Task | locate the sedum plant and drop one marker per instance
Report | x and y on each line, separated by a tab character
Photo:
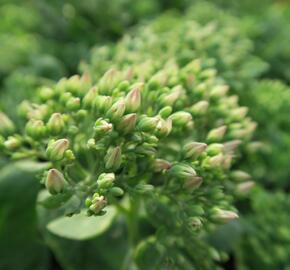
148	145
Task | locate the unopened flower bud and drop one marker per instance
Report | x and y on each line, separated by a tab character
215	149
133	100
108	82
55	182
6	125
12	143
102	127
148	124
224	215
182	171
219	91
239	113
90	97
172	97
245	187
45	93
240	176
113	158
193	149
164	127
106	180
181	118
98	204
56	150
55	124
217	134
117	110
165	112
200	108
192	183
231	146
103	103
127	123
73	104
216	161
35	129
161	164
116	191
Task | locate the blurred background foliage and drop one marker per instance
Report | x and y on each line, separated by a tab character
42	41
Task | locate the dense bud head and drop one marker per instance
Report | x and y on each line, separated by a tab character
113	158
217	134
117	110
55	182
127	123
193	150
56	149
55	124
102	127
181	118
133	99
6	125
182	171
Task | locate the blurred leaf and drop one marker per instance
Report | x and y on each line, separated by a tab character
81	227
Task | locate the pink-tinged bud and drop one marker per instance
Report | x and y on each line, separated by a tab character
245	187
90	97
224	215
113	158
164	127
172	97
56	150
193	150
55	124
55	182
193	183
127	123
117	110
181	118
217	134
161	164
200	108
102	127
6	125
216	161
240	176
231	146
98	204
239	113
108	82
133	100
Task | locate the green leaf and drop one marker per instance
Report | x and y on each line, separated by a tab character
82	227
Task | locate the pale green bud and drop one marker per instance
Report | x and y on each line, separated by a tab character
182	170
219	91
161	164
172	97
165	112
164	127
238	113
6	125
108	82
35	129
193	183
181	118
12	143
90	97
106	180
102	127
55	124
117	110
240	176
231	146
195	222
216	161
113	158
133	100
55	182
45	93
116	191
127	123
245	187
103	103
56	150
148	124
224	215
217	134
200	108
193	149
73	104
215	149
